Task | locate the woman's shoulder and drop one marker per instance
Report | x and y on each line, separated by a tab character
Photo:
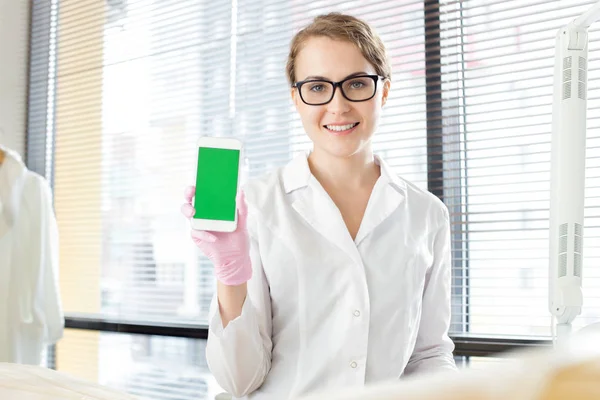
424	199
419	199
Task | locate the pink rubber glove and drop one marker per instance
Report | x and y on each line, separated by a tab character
229	251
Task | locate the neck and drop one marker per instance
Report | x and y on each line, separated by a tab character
356	171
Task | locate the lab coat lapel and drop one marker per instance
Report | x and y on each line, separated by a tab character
388	194
316	207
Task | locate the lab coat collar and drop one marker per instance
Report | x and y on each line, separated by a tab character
387	195
296	174
388	176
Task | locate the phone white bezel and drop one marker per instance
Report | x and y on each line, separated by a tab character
218	143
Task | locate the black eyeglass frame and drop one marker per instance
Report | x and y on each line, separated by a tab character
376	78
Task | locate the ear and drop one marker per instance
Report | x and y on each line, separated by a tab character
385	92
295	97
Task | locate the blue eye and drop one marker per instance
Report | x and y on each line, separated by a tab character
317	87
358	84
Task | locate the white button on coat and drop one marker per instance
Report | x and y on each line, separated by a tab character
295	334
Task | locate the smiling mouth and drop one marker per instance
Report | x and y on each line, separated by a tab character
340	128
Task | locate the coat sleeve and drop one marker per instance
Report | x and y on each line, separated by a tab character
239	355
46	299
433	348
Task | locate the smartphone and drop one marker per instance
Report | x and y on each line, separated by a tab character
217	182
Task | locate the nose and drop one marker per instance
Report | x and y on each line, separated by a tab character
338	104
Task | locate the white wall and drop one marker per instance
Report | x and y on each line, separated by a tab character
14	48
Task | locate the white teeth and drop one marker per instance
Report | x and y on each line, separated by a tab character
340	128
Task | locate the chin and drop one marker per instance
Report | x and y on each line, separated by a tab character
339	150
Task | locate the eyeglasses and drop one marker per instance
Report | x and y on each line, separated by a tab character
316	92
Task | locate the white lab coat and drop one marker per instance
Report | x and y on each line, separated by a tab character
30	310
324	310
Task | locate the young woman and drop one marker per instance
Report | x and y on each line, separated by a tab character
339	271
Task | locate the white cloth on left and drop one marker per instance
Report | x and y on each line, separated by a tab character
31	315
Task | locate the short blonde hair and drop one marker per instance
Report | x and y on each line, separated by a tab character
345	27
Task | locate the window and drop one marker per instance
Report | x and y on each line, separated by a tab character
497	75
133	83
153	367
136	83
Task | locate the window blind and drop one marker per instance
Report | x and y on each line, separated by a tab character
497	65
132	85
137	83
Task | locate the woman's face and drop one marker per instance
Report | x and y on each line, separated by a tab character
335	60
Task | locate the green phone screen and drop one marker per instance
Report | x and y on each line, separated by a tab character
216	183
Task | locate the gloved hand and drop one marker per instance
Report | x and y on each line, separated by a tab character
229	251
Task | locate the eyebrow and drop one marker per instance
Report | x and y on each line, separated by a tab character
322	78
